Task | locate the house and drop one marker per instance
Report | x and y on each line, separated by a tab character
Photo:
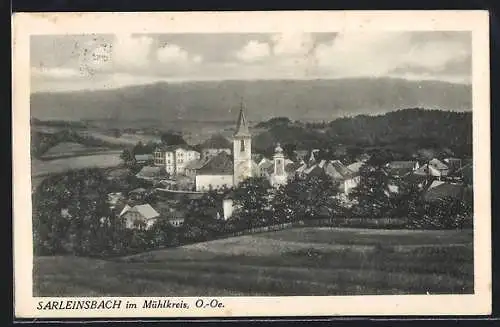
192	167
440	166
151	173
143	158
138	193
175	157
427	171
265	167
139	216
215	173
453	164
346	178
215	145
356	166
401	168
439	190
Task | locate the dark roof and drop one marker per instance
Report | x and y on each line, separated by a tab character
467	173
241	125
195	164
292	167
439	190
150	172
118	173
339	171
221	164
216	142
402	164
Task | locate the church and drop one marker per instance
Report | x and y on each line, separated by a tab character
226	170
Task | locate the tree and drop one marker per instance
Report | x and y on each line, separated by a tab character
171	138
372	196
252	198
127	156
306	198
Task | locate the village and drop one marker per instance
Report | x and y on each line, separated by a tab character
175	173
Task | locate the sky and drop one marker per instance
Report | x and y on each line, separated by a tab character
95	62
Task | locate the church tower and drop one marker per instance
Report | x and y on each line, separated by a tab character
242	150
279	175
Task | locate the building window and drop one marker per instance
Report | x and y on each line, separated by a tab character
242	146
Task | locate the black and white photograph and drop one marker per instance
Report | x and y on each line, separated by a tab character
252	164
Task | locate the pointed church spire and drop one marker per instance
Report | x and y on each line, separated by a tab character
241	126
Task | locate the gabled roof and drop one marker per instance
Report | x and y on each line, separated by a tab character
265	163
337	170
150	172
426	170
241	125
195	164
145	157
440	190
401	168
402	164
437	164
221	164
145	210
216	141
355	166
292	167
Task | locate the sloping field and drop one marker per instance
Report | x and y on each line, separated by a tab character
305	261
67	149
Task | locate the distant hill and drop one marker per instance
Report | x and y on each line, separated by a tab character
220	100
405	131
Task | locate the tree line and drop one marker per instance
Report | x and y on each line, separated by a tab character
71	215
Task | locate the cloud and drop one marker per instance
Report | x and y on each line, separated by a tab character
292	44
379	54
254	51
174	54
131	51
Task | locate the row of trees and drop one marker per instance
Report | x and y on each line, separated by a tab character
71	215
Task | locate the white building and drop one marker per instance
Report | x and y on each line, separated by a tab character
175	158
139	216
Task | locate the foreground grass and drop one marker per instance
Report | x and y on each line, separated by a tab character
306	261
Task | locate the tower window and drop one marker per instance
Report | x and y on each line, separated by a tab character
242	146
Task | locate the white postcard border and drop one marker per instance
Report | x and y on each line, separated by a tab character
25	25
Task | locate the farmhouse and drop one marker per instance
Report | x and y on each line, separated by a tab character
401	168
139	216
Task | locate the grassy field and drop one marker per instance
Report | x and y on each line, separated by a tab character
40	169
71	149
305	261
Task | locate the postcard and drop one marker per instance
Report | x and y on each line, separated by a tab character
251	164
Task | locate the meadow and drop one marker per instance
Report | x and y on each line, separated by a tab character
40	169
301	261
